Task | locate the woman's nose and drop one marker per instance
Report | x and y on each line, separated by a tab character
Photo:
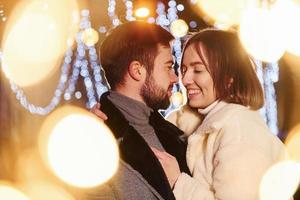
186	78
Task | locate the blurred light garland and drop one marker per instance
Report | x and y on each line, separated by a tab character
271	75
66	86
112	13
267	76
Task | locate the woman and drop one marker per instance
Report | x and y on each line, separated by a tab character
231	150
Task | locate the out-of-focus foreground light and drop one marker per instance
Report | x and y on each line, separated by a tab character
291	18
226	12
292	143
35	38
260	34
90	37
142	12
281	181
40	190
177	99
79	147
179	28
9	193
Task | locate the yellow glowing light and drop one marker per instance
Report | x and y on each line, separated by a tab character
177	99
35	39
225	12
260	34
9	193
291	17
38	190
79	147
179	28
142	12
293	143
280	181
90	37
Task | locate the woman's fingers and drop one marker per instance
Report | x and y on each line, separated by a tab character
96	110
159	154
162	154
169	164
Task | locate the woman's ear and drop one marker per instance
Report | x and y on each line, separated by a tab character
136	70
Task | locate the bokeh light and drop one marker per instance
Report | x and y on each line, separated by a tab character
179	28
35	38
142	12
79	148
180	7
177	99
223	12
291	18
260	34
7	192
41	190
90	37
280	181
292	143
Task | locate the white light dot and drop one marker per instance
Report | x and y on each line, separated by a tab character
78	95
193	24
180	7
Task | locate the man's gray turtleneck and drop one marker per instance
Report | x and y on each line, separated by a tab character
137	114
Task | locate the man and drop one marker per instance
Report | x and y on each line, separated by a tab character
138	64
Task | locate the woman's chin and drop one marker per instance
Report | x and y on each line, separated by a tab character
193	104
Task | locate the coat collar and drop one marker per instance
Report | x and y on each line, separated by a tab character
136	152
218	116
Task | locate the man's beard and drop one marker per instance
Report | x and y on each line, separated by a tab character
154	96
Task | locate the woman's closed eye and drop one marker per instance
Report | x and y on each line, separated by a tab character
198	71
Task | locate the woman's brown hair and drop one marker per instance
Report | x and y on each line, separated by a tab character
232	71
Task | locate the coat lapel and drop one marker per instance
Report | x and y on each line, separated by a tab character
135	151
169	136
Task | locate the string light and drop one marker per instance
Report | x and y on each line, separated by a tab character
180	7
161	15
66	86
271	72
111	13
179	28
129	12
267	77
193	24
260	75
90	37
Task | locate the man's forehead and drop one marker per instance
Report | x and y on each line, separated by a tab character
164	48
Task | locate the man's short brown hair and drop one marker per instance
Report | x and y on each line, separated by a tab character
132	41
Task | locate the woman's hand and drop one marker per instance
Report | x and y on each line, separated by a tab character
96	110
169	164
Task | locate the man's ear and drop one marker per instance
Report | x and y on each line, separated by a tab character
136	70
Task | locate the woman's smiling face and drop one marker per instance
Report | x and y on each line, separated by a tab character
197	79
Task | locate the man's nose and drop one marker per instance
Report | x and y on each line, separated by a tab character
174	78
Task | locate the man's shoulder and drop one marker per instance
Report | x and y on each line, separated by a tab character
127	183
